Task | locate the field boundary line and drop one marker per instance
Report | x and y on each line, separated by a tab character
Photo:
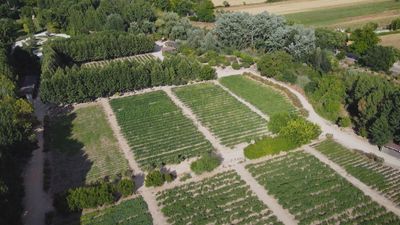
374	195
244	102
282	214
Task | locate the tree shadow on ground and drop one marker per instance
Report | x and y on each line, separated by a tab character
69	163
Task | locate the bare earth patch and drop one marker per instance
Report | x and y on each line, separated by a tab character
391	40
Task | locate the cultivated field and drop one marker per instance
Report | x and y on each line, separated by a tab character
221	199
230	120
236	2
265	98
83	148
137	58
315	194
349	16
157	131
133	211
292	6
391	40
383	178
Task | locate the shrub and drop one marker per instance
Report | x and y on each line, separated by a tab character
206	163
344	121
125	187
279	121
236	66
154	179
168	177
300	131
90	197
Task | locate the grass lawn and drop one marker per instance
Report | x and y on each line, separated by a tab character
327	17
83	147
265	98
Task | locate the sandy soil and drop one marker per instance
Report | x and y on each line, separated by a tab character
391	40
287	7
389	205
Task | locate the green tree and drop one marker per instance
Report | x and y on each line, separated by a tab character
380	131
300	131
8	31
379	58
115	22
329	39
363	39
275	63
205	11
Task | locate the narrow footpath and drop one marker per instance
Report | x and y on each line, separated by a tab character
36	201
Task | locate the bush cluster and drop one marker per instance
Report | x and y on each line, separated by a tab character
156	178
96	195
206	163
293	131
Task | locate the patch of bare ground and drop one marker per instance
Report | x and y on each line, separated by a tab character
391	40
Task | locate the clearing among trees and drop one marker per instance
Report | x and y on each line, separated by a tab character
132	211
83	148
230	120
157	131
370	171
222	199
315	194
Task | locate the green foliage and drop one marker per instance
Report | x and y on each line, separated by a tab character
154	179
344	121
300	131
279	121
205	11
380	131
379	58
329	39
275	63
363	39
8	31
206	163
114	23
268	146
236	66
90	197
125	187
327	95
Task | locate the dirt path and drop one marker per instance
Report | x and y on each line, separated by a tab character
347	138
282	214
36	201
376	196
250	106
149	198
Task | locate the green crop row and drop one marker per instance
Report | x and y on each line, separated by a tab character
383	178
132	211
157	131
315	194
230	120
138	58
221	199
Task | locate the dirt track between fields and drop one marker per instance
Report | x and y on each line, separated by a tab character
287	7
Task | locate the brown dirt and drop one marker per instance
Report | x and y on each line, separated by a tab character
391	40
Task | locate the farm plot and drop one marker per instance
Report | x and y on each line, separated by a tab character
83	148
133	211
370	11
315	194
221	199
137	58
230	120
263	97
157	131
383	178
